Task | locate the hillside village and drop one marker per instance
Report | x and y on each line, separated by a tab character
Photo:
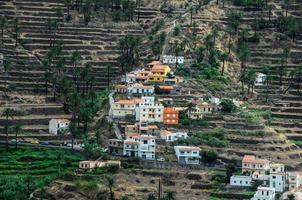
155	100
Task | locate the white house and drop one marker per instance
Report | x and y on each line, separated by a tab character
215	100
277	178
130	78
172	136
260	79
89	164
170	59
264	193
142	146
241	181
187	154
150	112
58	125
138	89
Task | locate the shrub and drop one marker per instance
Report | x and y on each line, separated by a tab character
209	155
228	106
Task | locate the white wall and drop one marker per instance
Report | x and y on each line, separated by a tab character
242	181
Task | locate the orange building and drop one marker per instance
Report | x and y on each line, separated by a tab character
170	116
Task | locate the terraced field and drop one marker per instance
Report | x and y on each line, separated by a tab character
97	43
31	168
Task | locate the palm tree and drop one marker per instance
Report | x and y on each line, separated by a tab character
170	196
7	113
214	33
251	78
284	60
7	66
291	197
3	22
138	4
223	57
110	184
17	30
266	70
192	9
73	131
67	4
109	72
298	75
244	55
189	110
151	197
269	7
17	129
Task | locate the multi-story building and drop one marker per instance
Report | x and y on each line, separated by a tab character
252	165
172	136
148	129
277	178
142	146
170	116
170	59
121	89
200	109
187	154
115	147
294	180
150	112
158	73
124	108
264	193
138	89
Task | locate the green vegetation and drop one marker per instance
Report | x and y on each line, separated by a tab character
214	138
26	169
228	106
208	155
255	116
297	142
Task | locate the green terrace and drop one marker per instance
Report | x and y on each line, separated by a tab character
23	170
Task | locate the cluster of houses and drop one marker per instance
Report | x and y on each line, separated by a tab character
151	118
273	178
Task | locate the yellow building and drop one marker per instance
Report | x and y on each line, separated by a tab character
158	73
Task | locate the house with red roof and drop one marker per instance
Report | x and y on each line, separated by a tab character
123	108
253	165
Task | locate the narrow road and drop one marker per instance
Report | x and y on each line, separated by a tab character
40	145
117	131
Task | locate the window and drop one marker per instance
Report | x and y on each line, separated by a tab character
145	141
274	177
182	152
